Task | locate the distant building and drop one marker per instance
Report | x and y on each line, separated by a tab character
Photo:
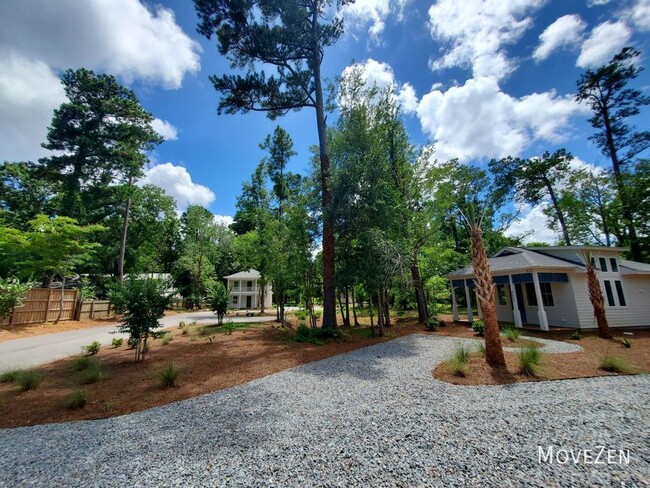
547	286
246	291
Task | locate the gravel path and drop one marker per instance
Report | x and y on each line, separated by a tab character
372	417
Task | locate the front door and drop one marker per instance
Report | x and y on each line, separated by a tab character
249	301
520	302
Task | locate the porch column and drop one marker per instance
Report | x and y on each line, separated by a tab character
470	312
516	314
454	305
541	313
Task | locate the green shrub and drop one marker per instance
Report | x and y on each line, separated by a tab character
301	314
625	342
432	324
614	364
91	374
204	331
302	333
9	376
168	375
315	336
230	328
478	326
317	314
28	380
529	360
92	348
511	333
166	339
575	336
457	367
81	363
181	324
76	399
117	342
461	355
132	342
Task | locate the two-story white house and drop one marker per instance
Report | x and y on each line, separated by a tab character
246	291
547	286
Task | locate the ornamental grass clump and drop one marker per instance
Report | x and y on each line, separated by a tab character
75	400
529	361
28	380
168	375
458	364
614	364
511	333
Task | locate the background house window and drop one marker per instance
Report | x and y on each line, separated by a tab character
547	294
531	297
619	292
614	264
235	285
603	264
235	300
609	293
501	295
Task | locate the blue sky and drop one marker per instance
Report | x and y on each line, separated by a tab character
478	79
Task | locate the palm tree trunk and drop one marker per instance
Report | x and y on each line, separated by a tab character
597	301
485	291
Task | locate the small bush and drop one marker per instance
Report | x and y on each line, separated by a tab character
511	333
81	363
461	355
92	348
181	324
132	343
575	336
28	380
614	364
168	375
204	331
432	324
315	336
92	374
230	328
529	360
317	314
302	314
76	399
117	342
625	342
457	368
9	376
478	326
302	333
166	339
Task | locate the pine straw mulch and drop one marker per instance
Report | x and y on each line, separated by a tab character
206	366
553	366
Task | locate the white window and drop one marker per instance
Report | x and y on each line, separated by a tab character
235	299
235	285
501	295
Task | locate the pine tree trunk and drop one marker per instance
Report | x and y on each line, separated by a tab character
597	301
386	308
380	314
485	291
61	301
423	311
125	229
354	309
347	307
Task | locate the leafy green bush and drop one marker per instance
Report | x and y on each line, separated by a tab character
230	328
219	299
529	360
12	295
575	336
168	375
9	376
315	336
625	342
181	324
117	342
511	333
132	342
478	326
432	324
77	399
166	339
28	380
317	314
301	314
92	348
302	333
614	364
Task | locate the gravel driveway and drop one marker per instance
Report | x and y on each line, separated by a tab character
372	417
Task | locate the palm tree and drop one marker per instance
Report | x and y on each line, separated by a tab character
596	297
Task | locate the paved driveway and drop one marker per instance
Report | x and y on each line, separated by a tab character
32	351
373	417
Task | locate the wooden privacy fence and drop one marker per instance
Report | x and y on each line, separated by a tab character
95	309
43	305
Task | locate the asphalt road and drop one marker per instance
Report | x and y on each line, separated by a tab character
32	351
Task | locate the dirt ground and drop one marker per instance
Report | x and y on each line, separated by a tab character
552	366
205	365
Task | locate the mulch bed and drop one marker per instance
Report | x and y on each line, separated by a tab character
226	361
553	366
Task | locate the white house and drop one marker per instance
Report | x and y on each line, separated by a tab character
547	286
246	292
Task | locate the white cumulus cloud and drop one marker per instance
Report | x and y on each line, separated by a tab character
382	75
39	39
177	183
372	13
605	40
564	32
638	15
532	224
223	219
476	32
165	129
477	120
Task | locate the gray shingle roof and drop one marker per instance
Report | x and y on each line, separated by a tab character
251	274
520	259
